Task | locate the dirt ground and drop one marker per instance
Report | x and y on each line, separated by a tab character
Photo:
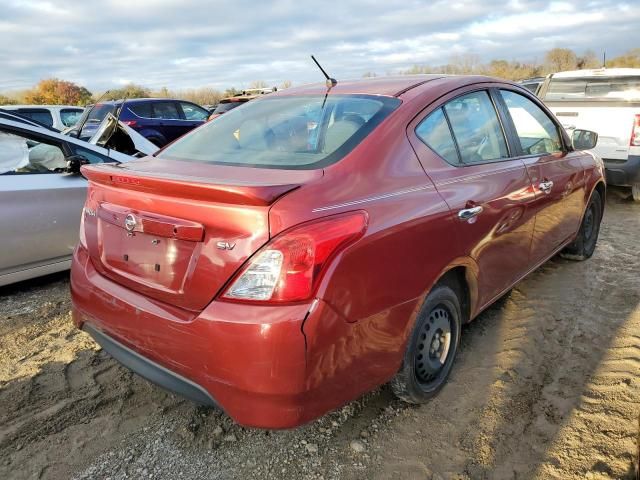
546	386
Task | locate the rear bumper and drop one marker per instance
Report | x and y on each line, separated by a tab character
267	367
623	172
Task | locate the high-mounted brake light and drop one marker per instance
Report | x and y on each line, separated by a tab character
289	268
635	132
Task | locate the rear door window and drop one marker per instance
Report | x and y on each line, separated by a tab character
537	133
40	115
476	128
165	110
435	132
24	154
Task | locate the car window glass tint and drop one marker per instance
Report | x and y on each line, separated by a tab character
70	116
165	110
476	128
141	109
41	116
19	155
434	131
536	131
193	112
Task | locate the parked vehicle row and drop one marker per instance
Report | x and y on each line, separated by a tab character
56	116
295	253
42	193
606	101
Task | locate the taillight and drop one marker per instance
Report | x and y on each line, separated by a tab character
289	268
635	132
130	123
83	235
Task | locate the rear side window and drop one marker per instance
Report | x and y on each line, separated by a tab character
141	109
536	131
165	110
434	131
226	106
594	88
40	115
289	132
476	128
193	112
70	116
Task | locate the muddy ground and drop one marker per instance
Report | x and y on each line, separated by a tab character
546	386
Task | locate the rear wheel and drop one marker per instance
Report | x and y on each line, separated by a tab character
585	243
635	192
431	349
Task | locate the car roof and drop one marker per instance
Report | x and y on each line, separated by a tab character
133	100
52	107
392	86
598	72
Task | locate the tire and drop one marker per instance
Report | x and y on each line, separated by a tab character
428	358
635	192
585	243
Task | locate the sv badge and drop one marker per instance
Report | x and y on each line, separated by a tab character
225	245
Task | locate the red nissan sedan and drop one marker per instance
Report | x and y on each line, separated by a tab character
316	243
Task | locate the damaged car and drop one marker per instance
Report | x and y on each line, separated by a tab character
42	191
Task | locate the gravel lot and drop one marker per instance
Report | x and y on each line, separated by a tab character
546	386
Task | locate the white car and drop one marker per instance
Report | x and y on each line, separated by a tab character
42	191
56	116
606	101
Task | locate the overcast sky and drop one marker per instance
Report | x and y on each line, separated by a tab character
182	44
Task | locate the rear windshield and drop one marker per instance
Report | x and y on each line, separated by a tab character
300	132
70	116
594	88
225	107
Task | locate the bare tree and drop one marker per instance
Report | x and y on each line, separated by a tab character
559	59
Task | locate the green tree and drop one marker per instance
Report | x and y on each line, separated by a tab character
130	90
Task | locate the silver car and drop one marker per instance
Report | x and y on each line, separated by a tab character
41	196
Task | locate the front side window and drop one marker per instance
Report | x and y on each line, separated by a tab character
536	131
99	111
476	128
285	132
165	111
22	155
193	112
142	109
434	131
70	116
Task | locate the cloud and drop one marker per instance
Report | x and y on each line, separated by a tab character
182	44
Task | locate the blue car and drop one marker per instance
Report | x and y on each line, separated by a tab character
160	120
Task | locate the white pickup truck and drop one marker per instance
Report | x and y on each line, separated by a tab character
606	101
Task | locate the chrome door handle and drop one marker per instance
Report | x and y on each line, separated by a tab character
468	213
546	186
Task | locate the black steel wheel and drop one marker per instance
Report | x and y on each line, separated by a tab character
585	243
431	348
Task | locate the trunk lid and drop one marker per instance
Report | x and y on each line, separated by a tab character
613	124
177	231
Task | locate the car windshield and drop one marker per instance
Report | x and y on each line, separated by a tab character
594	88
285	132
99	112
70	116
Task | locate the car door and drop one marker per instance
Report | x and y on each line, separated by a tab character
41	203
488	191
193	115
556	173
169	119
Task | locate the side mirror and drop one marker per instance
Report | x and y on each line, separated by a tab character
74	162
584	139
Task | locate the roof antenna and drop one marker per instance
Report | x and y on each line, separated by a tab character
604	59
331	82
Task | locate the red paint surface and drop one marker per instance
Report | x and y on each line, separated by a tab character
280	366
